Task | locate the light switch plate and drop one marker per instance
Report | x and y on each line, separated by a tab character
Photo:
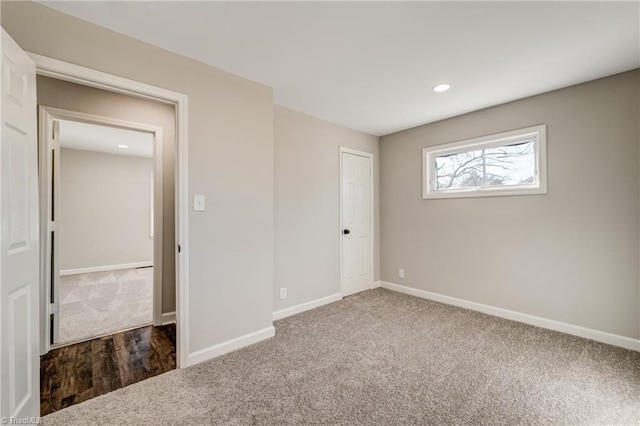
198	203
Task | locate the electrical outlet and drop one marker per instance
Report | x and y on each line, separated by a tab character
401	273
283	293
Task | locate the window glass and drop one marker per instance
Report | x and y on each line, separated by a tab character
512	160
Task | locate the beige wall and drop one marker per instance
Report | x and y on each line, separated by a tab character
105	212
75	97
230	162
571	255
307	202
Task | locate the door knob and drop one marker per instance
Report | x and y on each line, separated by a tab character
346	232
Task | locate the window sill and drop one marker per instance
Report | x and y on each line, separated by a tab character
484	192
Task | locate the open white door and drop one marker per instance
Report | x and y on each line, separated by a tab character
49	220
356	209
19	272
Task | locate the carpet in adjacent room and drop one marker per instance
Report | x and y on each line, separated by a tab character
99	303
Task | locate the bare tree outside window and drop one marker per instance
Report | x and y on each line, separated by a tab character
508	163
512	164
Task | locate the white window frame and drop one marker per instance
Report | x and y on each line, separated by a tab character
537	133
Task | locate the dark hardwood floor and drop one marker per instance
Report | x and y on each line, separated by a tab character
75	373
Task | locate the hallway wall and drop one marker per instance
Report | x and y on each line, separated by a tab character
105	209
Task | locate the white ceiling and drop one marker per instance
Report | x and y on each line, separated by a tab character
371	65
92	137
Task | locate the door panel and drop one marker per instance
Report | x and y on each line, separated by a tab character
16	152
19	273
20	367
356	208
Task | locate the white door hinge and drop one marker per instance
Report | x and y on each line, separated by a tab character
54	144
53	226
54	308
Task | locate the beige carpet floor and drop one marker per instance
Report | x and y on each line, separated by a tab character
99	303
384	358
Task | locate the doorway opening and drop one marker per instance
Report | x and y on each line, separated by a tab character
108	240
101	184
23	293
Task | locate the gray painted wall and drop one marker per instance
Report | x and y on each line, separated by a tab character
105	210
75	97
571	255
307	202
230	162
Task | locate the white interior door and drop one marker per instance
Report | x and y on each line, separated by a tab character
19	239
53	235
357	219
49	211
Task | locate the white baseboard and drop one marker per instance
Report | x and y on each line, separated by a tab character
168	318
230	345
576	330
376	284
64	272
287	312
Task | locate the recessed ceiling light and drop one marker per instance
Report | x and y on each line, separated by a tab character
123	146
442	87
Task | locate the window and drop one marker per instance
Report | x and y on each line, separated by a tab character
510	163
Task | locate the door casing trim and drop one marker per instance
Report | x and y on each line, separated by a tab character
61	70
46	116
